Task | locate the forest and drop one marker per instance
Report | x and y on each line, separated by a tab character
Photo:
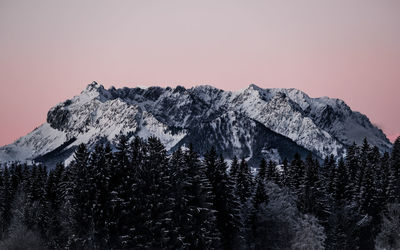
138	196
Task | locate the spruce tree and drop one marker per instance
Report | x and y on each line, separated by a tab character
244	182
79	200
180	196
202	232
284	178
53	228
271	173
102	200
226	205
352	164
395	167
296	172
308	187
259	201
153	209
5	201
234	169
339	183
262	171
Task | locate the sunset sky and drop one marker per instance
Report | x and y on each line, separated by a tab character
50	50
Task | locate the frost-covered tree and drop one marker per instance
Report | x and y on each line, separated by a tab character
309	234
244	182
202	232
389	236
19	236
227	206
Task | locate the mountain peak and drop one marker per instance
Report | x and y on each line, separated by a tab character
95	89
94	86
254	87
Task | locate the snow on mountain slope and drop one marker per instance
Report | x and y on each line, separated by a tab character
40	141
280	114
336	117
245	123
233	133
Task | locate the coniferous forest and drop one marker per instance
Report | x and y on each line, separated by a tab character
140	197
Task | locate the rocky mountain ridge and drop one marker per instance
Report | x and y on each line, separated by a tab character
251	123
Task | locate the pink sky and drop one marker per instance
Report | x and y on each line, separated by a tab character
50	50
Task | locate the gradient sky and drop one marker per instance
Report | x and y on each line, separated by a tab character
50	50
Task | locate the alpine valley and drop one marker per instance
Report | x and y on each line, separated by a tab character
251	123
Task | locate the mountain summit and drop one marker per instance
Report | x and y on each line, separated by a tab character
251	123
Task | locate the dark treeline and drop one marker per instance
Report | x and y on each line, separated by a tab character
138	197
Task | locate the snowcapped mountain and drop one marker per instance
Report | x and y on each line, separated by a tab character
253	123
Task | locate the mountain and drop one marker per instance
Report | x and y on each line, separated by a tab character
251	123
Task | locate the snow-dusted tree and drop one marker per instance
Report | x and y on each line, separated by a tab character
227	206
309	234
284	175
339	183
258	203
79	200
384	176
343	228
234	168
6	198
309	192
181	213
395	169
368	196
51	226
391	189
352	168
389	236
244	182
202	232
271	172
19	236
296	173
277	220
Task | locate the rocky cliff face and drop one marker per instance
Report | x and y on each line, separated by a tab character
252	123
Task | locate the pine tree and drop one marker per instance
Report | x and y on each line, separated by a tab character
389	237
119	198
136	151
181	214
262	171
352	164
244	182
284	179
339	183
368	207
153	209
79	200
203	229
5	201
234	168
395	160
364	161
308	187
271	173
53	229
329	172
395	169
226	205
259	201
391	188
99	187
296	173
322	206
210	162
